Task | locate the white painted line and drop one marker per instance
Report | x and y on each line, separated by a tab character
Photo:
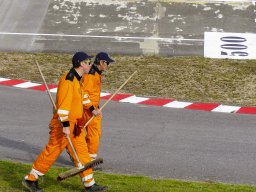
26	85
134	99
120	38
104	94
4	79
54	90
226	109
177	104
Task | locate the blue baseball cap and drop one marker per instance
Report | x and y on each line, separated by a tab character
80	56
103	56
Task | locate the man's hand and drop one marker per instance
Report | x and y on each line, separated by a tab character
66	131
80	123
96	112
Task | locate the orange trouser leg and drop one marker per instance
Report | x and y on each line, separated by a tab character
93	134
81	148
57	142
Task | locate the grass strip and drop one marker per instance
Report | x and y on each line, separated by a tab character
12	174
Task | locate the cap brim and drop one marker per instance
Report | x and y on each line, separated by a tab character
110	60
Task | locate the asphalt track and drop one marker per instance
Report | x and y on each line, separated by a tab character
138	139
161	27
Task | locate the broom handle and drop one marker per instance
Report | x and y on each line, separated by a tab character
54	105
87	123
46	86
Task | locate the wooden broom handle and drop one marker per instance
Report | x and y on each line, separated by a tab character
87	123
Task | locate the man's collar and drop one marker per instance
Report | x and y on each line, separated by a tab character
76	74
95	67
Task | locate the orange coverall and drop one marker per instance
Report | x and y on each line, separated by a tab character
92	88
69	103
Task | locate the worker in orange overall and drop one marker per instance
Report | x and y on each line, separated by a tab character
69	104
92	89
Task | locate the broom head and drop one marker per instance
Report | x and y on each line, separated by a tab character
75	171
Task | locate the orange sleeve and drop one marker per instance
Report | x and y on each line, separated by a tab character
64	100
88	89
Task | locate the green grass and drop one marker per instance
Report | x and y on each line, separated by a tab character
195	79
12	174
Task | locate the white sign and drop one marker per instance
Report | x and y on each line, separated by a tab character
230	45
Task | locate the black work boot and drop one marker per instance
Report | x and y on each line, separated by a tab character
95	188
31	186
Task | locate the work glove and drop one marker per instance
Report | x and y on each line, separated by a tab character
97	112
77	129
66	131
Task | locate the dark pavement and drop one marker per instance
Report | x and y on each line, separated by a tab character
137	139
